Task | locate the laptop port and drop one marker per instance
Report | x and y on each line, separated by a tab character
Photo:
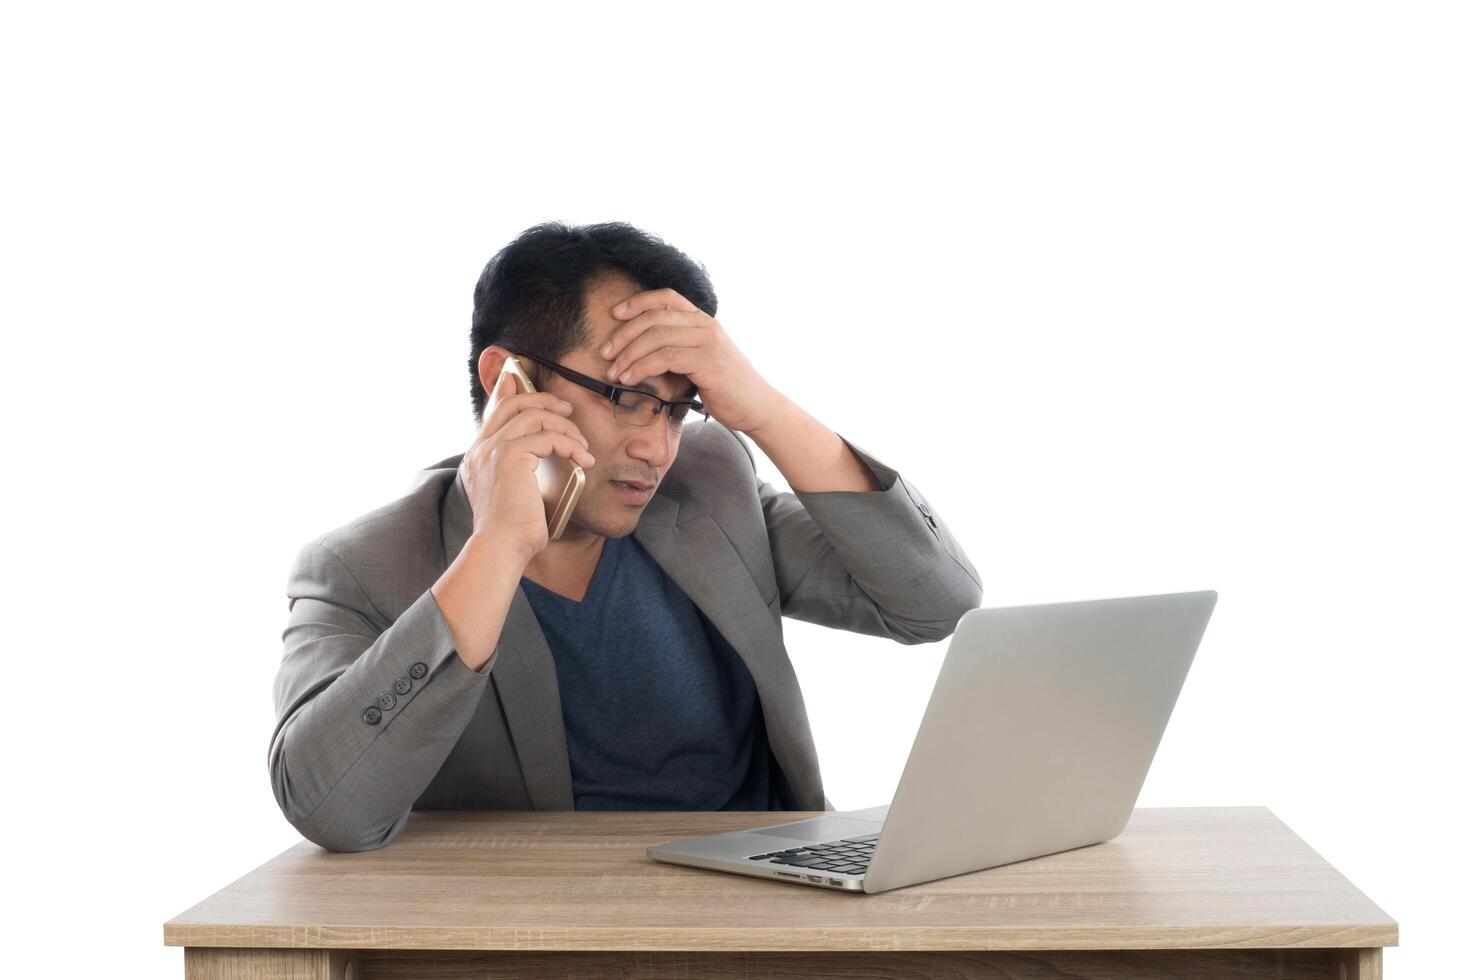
787	874
836	881
816	878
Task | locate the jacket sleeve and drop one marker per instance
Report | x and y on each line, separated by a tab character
879	562
344	776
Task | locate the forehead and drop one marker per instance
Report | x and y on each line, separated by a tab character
602	294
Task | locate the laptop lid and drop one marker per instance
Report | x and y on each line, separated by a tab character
1039	732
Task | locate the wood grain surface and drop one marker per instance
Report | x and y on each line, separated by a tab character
1177	878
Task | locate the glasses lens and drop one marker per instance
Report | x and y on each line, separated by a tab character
634	408
640	408
691	412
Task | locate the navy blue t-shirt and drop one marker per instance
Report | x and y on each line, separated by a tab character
660	712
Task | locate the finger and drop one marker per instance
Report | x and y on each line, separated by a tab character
537	420
651	299
657	352
510	403
544	443
511	408
664	360
494	394
628	332
507	388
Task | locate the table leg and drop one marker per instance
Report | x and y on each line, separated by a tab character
229	963
1359	964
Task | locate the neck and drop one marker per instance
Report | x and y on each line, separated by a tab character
576	549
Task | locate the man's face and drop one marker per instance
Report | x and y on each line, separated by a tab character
641	454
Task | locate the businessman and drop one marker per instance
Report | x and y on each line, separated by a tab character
442	653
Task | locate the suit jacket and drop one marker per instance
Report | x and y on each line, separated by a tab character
364	631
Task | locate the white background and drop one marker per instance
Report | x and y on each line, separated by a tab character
1143	297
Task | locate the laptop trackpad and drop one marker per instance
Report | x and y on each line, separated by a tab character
821	829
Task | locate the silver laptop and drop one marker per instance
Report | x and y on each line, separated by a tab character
1037	737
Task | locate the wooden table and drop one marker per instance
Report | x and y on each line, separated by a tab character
1193	892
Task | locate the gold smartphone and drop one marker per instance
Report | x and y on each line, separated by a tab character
561	480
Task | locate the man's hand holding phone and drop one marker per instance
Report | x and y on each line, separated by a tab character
520	430
499	468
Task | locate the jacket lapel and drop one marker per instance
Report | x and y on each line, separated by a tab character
694	552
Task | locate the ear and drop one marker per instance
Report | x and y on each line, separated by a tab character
491	359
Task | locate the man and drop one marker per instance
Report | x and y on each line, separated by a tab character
442	653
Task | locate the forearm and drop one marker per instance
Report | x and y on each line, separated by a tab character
811	457
887	565
474	596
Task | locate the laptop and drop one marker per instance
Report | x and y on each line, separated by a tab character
1039	732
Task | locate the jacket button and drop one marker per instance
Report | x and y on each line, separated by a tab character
418	670
372	716
402	685
386	700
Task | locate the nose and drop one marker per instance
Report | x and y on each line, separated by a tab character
653	443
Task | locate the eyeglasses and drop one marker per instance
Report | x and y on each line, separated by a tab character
629	405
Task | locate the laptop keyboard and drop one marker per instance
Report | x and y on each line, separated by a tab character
846	856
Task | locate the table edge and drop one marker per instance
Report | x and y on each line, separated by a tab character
663	939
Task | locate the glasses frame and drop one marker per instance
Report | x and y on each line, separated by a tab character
614	393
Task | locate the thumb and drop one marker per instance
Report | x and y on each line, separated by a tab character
504	388
505	385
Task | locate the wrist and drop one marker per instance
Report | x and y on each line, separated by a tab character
498	550
776	418
475	592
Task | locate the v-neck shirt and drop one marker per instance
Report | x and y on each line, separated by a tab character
660	711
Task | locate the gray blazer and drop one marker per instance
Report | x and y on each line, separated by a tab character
364	631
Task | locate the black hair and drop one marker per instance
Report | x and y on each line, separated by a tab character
532	295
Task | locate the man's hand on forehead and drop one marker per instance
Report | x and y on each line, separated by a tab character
663	333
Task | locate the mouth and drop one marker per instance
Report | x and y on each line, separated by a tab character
633	492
